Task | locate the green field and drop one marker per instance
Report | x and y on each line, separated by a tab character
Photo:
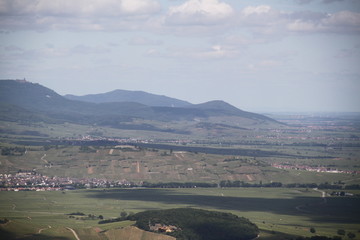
278	212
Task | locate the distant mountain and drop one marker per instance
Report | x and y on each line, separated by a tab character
25	101
131	96
41	100
219	107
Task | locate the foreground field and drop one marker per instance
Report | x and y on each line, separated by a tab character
280	213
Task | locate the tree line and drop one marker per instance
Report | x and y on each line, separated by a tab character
237	183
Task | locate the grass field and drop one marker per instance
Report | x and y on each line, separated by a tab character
278	212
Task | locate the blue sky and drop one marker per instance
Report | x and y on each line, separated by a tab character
262	56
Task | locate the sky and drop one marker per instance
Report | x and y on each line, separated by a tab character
258	55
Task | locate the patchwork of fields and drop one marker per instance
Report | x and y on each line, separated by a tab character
278	212
152	165
312	155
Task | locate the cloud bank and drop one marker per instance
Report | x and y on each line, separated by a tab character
149	15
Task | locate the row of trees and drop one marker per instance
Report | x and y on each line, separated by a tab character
123	216
325	185
179	185
228	183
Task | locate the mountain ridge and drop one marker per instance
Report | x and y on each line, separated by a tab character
43	103
120	95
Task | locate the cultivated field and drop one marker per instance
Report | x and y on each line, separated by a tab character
145	164
278	212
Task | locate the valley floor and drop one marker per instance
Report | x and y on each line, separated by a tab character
280	213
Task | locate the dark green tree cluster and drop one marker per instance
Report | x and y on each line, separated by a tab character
87	149
238	183
9	151
245	184
123	216
342	232
197	224
179	185
319	238
77	214
3	221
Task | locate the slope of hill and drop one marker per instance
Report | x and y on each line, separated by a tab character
130	96
38	103
38	99
218	108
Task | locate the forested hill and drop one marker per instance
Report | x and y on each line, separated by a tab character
197	224
39	103
131	96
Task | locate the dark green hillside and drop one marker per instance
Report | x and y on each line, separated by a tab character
196	224
33	96
41	100
131	96
33	102
12	113
176	114
219	108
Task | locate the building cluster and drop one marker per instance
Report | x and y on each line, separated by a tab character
312	168
33	181
163	228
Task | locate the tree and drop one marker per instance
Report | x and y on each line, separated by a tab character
312	230
341	232
351	235
123	215
101	217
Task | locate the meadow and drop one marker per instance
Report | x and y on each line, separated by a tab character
280	213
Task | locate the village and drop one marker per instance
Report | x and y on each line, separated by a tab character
312	168
33	181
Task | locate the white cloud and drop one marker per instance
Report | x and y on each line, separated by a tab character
199	12
152	53
140	6
339	22
322	1
69	14
256	10
104	8
303	26
192	17
262	19
267	20
211	53
343	18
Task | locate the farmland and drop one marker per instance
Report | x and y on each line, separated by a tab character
277	212
157	165
269	176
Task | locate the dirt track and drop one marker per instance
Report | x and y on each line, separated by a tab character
74	233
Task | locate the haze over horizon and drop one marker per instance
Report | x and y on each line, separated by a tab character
261	56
